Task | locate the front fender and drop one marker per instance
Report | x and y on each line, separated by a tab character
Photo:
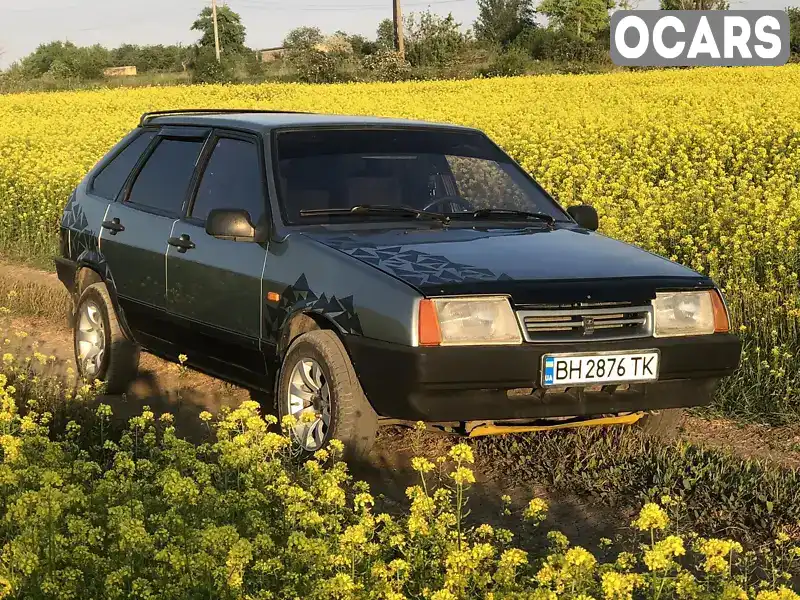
304	276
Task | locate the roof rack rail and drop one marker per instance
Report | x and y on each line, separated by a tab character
146	117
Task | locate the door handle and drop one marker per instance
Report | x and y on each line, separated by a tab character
114	226
182	243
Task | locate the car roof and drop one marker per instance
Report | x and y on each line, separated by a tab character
265	121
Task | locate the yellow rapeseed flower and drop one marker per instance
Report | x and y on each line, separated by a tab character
463	476
716	553
620	586
462	453
422	465
652	516
661	556
782	593
536	510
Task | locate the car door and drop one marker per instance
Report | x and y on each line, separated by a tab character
214	285
136	229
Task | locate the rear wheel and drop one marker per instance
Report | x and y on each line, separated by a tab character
319	387
101	349
663	423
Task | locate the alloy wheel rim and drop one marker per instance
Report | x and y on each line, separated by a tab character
91	339
309	394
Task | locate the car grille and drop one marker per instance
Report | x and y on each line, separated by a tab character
596	322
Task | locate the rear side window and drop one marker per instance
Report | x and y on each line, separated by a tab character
232	179
164	180
108	183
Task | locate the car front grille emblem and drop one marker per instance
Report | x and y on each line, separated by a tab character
588	325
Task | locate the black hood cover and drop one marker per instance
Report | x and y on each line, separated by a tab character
534	265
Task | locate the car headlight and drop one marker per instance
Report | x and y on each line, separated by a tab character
689	313
468	321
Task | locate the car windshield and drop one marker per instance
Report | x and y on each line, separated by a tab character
435	170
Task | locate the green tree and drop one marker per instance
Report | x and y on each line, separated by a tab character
316	58
63	60
501	21
90	62
303	38
39	62
584	18
205	68
361	45
433	41
230	28
148	59
695	5
385	35
794	29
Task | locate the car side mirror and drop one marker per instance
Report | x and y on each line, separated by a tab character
233	224
585	216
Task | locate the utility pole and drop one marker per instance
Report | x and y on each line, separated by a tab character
216	29
399	44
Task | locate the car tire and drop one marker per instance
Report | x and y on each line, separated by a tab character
662	424
313	361
102	351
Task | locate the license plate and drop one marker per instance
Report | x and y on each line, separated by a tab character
600	368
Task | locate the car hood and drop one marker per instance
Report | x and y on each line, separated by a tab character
534	265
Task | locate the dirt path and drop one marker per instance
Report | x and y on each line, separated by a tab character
39	304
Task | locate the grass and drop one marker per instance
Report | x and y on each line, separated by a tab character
35	249
14	86
33	293
720	494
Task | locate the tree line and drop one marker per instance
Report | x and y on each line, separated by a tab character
505	39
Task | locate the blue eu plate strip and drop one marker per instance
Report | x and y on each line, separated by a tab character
549	367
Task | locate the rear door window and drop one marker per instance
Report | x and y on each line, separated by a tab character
232	179
164	180
108	183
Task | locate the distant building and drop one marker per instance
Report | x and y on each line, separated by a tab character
270	54
120	71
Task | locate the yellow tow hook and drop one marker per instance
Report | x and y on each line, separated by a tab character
491	429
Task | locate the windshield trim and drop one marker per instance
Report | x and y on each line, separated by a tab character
422	126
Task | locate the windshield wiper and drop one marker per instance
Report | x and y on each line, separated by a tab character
505	214
375	209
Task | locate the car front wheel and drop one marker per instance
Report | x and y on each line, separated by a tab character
319	388
102	352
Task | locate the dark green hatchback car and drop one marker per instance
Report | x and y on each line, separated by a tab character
365	271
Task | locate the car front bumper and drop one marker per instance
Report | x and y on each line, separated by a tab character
458	384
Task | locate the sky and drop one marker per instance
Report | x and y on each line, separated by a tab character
24	24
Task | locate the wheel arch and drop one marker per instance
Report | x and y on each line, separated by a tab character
88	272
302	322
85	275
